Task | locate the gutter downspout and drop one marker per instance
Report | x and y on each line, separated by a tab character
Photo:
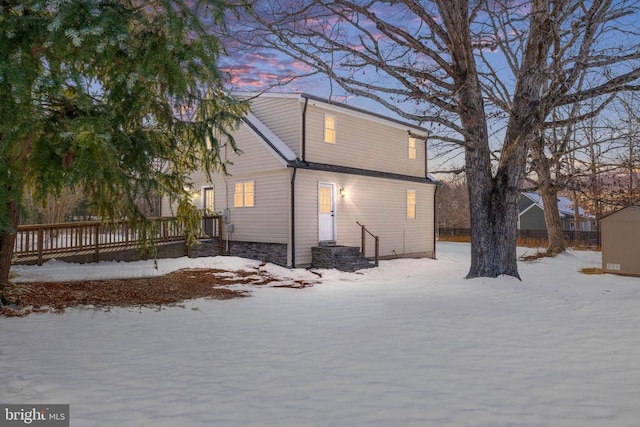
293	217
435	220
293	183
426	166
435	195
304	130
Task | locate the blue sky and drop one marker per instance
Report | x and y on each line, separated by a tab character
268	69
260	69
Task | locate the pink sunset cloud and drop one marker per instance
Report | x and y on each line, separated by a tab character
259	70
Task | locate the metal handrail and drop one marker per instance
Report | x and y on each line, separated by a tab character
363	242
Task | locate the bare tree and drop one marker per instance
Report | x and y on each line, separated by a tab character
52	208
548	172
452	204
593	190
554	162
606	160
629	156
553	150
56	207
485	75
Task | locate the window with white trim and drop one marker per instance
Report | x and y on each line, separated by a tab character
330	128
412	148
411	204
244	194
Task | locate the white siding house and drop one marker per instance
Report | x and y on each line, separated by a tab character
309	170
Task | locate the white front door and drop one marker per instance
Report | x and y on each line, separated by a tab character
208	200
326	212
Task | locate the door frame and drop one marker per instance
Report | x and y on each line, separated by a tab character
332	186
203	190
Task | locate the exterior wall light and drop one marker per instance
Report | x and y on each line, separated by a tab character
193	193
341	191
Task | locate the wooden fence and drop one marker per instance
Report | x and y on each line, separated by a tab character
589	239
44	241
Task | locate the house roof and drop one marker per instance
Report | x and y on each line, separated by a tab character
358	171
634	207
365	112
565	205
288	157
270	139
349	109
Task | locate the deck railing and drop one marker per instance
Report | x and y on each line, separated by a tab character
44	241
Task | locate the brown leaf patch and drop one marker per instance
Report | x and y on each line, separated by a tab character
157	291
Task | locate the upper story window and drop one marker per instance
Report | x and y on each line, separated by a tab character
412	147
244	194
329	128
411	204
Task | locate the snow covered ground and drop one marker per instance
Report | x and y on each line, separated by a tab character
411	343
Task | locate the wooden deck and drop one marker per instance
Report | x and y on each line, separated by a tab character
40	242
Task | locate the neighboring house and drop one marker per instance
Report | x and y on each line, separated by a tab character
531	214
620	241
309	170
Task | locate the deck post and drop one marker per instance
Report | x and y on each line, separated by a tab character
219	233
96	255
40	244
165	232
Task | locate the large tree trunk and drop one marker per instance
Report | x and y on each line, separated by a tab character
493	199
549	193
494	217
7	240
492	204
494	208
552	220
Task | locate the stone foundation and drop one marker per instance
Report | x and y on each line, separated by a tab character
275	253
207	247
344	258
